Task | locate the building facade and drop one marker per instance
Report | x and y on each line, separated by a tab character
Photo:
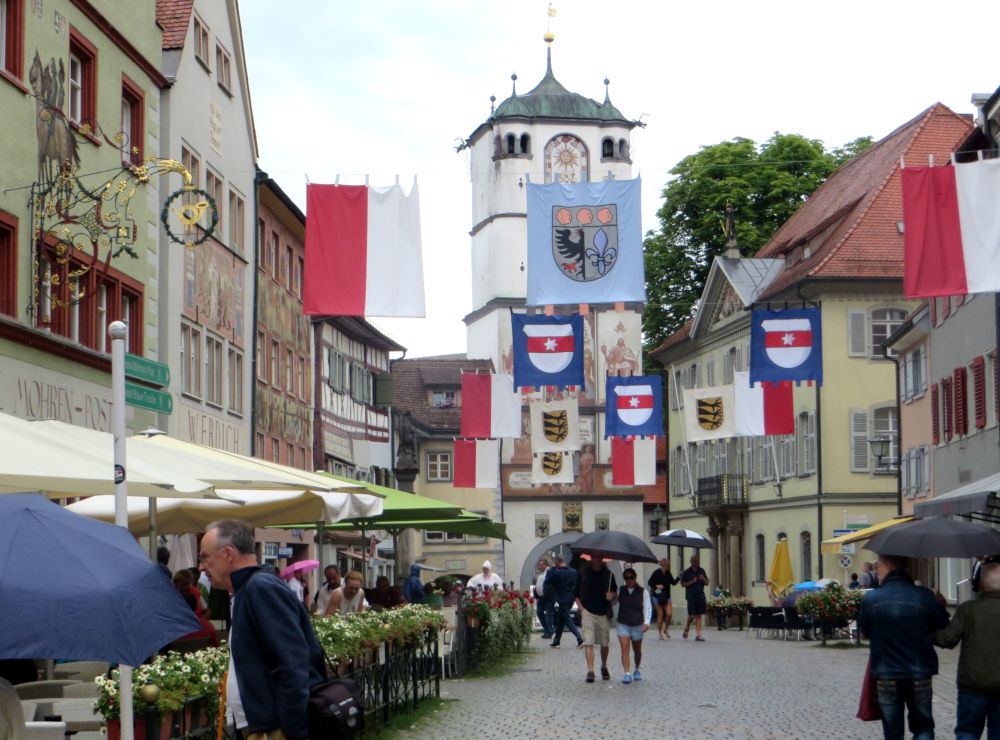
206	325
79	87
283	396
842	253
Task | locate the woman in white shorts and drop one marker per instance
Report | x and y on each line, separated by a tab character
634	614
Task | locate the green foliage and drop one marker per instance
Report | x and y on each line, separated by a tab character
179	677
765	185
505	623
832	603
726	603
348	636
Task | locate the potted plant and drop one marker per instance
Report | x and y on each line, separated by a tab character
477	610
829	606
724	605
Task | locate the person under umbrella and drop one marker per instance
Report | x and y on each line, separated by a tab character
659	583
634	615
596	592
694	580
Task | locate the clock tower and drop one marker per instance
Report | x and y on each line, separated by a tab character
548	134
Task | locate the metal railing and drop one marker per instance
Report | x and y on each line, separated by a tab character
729	490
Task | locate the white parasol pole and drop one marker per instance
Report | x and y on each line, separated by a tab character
118	331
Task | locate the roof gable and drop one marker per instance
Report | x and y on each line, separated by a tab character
732	286
847	228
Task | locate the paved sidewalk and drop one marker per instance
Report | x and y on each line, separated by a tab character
731	686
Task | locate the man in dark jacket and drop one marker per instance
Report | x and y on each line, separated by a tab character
274	657
900	619
560	584
977	625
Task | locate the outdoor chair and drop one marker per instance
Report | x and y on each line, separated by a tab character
44	689
445	640
82	670
45	731
794	623
760	619
85	690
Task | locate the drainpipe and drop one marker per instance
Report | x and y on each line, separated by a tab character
899	432
260	177
819	447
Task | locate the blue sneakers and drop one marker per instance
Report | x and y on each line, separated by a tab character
627	678
637	676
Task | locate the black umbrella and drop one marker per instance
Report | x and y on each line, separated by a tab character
614	544
682	538
936	538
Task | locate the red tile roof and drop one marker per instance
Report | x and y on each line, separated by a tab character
174	17
676	338
412	380
849	223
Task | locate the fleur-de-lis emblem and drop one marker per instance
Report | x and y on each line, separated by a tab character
601	255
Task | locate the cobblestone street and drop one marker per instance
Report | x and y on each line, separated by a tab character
731	686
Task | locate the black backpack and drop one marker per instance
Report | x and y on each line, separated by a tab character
335	710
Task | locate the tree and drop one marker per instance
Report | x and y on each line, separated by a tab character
765	185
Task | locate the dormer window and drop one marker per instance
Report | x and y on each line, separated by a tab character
444	399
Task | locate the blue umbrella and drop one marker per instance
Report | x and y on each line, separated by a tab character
74	588
808	586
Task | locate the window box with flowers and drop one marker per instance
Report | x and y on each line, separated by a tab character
831	608
724	606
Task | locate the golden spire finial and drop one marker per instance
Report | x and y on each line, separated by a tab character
549	37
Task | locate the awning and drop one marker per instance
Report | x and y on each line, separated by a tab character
972	498
832	547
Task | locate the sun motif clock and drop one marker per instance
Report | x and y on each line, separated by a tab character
566	160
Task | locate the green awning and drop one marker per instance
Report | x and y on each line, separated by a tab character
400	505
468	523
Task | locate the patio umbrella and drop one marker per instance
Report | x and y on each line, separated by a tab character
808	586
63	460
613	543
468	523
260	508
779	576
77	589
299	566
936	538
683	538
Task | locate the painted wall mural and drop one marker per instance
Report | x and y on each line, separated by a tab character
214	280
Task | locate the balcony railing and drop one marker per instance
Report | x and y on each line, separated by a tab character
727	491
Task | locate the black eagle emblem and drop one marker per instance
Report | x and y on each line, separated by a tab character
710	413
570	250
552	463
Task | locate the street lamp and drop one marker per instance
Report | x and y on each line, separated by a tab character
658	513
880	448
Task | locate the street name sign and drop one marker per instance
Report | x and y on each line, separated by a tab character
147	371
148	398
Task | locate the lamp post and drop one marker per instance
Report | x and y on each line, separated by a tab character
658	517
880	448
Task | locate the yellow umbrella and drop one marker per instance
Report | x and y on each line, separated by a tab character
779	577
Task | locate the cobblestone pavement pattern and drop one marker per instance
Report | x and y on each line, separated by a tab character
731	686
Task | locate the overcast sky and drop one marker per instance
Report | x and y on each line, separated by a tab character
389	88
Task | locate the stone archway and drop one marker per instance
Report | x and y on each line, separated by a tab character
546	548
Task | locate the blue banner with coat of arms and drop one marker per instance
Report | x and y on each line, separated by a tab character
548	350
786	345
585	243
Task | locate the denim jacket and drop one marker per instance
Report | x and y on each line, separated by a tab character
900	619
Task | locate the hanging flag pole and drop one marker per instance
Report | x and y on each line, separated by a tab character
684	446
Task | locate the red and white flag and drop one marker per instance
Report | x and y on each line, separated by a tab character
476	463
490	407
363	253
951	229
633	461
767	408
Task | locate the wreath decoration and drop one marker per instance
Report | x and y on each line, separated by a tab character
189	214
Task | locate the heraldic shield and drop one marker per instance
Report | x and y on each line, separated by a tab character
555	425
550	347
787	342
710	413
585	240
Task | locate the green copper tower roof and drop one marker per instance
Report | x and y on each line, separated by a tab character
549	99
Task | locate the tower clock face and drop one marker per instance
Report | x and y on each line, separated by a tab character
566	160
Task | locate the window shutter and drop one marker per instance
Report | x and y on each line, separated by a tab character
859	441
904	474
925	464
935	416
738	366
979	391
961	401
857	334
710	372
811	442
906	375
947	408
383	389
788	455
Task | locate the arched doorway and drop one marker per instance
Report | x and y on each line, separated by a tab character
557	544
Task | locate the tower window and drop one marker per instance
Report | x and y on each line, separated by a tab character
525	144
607	148
622	149
511	144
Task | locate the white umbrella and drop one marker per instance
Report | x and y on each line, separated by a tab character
63	460
682	538
260	508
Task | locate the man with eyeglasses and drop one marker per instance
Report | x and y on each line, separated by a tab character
899	619
274	656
